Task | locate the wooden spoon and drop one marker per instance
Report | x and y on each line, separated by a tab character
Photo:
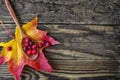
23	35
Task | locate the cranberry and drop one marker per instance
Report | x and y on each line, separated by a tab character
34	51
29	52
40	45
9	48
31	43
34	46
25	48
29	47
27	40
26	44
47	44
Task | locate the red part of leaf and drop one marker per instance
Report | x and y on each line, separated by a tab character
43	62
51	40
33	63
15	69
2	60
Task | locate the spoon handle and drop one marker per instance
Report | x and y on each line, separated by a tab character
12	13
23	35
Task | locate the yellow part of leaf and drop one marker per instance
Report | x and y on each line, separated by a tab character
30	29
15	54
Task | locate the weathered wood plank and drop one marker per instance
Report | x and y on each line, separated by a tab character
81	40
85	51
30	74
64	11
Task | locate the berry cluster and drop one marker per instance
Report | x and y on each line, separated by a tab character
29	46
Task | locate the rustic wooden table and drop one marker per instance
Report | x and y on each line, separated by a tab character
89	32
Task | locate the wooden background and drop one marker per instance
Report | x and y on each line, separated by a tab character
89	32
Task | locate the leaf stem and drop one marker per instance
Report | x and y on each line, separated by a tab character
7	30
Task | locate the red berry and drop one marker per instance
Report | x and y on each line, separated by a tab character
25	48
29	52
34	46
31	43
9	48
47	44
27	40
34	51
29	47
40	45
26	44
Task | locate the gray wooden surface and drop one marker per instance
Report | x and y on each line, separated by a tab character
89	32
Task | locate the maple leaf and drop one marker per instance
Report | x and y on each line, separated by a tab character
12	51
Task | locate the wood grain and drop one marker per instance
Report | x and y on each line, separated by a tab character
85	51
64	11
89	32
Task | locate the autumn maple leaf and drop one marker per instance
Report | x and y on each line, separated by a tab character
12	51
